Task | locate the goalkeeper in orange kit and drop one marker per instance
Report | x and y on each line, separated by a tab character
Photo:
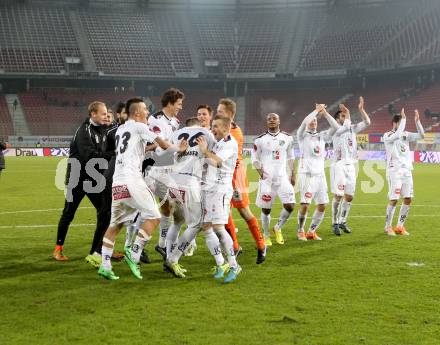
240	183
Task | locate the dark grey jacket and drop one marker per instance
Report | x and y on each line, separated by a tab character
2	158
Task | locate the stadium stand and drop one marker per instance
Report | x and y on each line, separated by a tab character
59	112
25	46
6	126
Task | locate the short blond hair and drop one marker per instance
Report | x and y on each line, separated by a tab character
226	121
94	106
229	105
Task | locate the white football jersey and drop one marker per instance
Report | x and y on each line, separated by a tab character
191	161
272	151
397	146
345	143
227	150
131	139
164	127
312	145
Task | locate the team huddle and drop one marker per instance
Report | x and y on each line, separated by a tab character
167	177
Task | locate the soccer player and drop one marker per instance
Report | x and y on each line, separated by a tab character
185	190
312	184
204	115
272	155
343	169
216	200
399	170
240	197
164	123
89	142
129	190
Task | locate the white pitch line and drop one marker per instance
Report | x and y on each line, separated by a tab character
86	207
235	220
41	210
42	226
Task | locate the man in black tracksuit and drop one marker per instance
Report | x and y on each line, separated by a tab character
90	152
3	146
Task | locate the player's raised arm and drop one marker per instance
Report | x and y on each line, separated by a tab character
212	158
398	133
302	128
420	131
365	118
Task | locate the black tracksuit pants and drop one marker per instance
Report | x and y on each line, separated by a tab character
101	202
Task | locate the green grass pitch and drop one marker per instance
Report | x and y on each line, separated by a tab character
362	288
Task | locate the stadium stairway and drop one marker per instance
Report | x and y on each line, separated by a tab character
17	115
81	37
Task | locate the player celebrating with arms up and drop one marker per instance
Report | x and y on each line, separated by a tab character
272	155
311	175
399	169
343	170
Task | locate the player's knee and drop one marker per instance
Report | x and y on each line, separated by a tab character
303	208
246	213
407	201
321	207
348	198
288	207
266	211
393	202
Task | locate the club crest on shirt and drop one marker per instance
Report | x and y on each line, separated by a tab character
281	142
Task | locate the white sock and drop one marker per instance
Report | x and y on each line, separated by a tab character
164	225
130	231
138	246
316	220
228	245
172	235
335	210
390	215
404	209
344	212
284	215
106	254
213	245
301	221
265	223
182	243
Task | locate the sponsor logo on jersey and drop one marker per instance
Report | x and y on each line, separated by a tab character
276	155
266	197
317	150
350	142
120	192
308	195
